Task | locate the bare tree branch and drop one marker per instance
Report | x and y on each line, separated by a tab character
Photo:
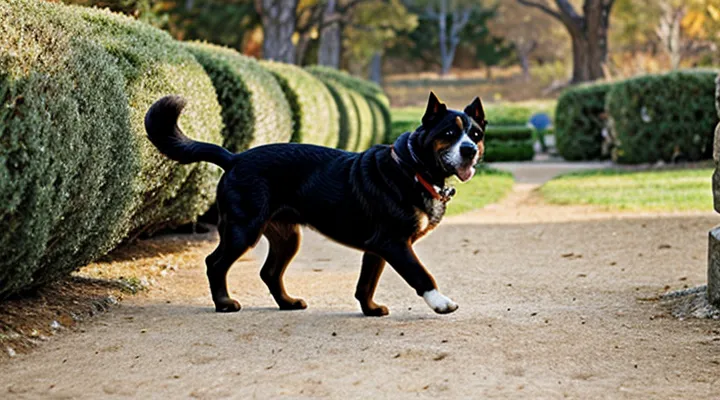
541	6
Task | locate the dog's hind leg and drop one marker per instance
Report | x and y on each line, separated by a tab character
284	239
372	267
235	240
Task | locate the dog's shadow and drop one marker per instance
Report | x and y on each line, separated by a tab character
206	311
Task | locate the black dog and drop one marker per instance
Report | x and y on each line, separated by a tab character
380	201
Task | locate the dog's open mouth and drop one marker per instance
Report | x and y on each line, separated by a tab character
465	172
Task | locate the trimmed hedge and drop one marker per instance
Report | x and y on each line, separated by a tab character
366	122
371	92
663	117
76	171
579	122
513	150
349	119
315	115
509	143
254	108
508	133
155	65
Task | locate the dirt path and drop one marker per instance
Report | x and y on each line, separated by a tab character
554	302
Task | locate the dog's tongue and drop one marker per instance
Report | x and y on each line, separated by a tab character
465	173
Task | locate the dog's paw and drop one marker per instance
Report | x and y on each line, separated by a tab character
375	310
227	305
294	304
440	303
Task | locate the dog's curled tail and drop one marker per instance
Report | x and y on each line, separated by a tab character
163	131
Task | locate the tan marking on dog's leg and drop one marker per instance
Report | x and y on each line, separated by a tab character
284	244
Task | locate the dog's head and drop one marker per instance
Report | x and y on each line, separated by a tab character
453	141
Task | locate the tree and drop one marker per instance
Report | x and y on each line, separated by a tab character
450	17
489	49
278	20
373	27
336	15
589	34
532	34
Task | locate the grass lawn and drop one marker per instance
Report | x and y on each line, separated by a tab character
486	187
672	190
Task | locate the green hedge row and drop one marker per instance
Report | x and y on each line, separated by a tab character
663	117
508	133
579	121
510	150
366	97
76	172
666	117
315	114
254	108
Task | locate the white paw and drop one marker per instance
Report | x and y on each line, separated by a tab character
440	303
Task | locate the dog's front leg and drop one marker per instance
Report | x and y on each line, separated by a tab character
372	267
403	259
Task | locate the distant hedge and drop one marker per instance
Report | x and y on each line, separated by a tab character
371	93
664	117
254	108
76	171
515	150
579	121
509	143
508	132
315	114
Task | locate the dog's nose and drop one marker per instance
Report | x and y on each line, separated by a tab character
468	150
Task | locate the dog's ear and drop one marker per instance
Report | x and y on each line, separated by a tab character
435	110
476	112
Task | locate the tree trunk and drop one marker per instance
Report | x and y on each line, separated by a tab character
488	72
589	33
450	40
376	68
301	48
597	20
669	31
278	18
581	60
525	65
445	60
330	38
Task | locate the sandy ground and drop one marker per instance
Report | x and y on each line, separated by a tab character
554	302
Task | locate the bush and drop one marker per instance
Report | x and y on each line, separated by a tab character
254	107
508	114
75	166
154	65
508	133
579	121
366	122
348	117
663	117
512	150
315	115
372	94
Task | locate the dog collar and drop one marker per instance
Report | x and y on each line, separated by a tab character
442	194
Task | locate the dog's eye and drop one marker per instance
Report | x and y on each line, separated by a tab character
477	135
449	133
